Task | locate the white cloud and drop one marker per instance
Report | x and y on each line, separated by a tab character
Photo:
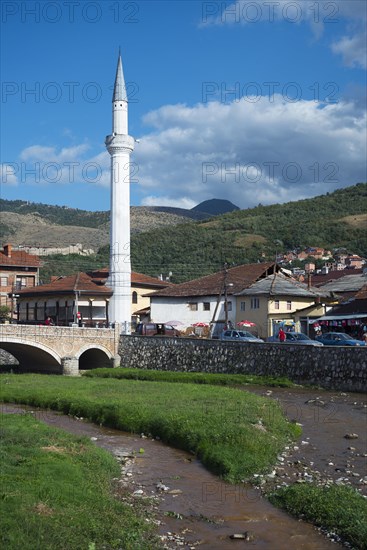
50	154
247	152
183	202
351	46
66	165
352	49
8	173
250	152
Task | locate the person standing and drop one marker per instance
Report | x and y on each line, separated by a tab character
281	335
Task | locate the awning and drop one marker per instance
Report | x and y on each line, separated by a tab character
144	311
339	317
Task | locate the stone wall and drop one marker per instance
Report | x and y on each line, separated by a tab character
7	359
339	368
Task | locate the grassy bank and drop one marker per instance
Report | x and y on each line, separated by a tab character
56	493
190	377
339	509
234	433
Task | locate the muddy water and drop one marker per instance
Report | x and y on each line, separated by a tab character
195	504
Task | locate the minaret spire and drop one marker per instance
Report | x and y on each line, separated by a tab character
120	146
119	90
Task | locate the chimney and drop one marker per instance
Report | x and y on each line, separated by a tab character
309	280
7	250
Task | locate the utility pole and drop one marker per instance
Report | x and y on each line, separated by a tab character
225	297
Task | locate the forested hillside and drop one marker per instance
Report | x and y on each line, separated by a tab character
335	220
61	215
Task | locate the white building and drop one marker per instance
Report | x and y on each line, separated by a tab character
204	300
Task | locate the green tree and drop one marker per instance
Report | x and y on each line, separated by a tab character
4	313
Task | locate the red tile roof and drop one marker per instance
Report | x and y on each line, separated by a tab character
136	278
19	259
68	285
240	277
362	293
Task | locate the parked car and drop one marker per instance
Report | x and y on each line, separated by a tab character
239	336
296	338
156	329
338	339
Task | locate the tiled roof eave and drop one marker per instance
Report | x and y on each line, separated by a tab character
68	292
20	265
285	293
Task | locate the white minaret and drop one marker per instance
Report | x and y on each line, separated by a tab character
120	146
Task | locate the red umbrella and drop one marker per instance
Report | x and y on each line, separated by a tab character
246	324
200	324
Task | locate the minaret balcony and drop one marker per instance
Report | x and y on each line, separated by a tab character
119	143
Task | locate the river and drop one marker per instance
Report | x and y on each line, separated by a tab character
196	509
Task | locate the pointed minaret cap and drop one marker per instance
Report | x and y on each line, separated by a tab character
119	91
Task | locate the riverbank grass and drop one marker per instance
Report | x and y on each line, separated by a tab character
338	509
56	492
190	377
235	433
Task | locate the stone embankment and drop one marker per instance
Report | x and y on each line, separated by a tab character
338	368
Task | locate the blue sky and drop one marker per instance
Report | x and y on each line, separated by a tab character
250	101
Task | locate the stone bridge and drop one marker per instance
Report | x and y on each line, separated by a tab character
61	350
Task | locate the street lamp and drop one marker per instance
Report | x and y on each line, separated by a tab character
226	286
12	306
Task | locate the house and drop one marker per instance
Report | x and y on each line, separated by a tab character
349	317
353	261
81	298
140	285
210	299
341	284
277	298
18	270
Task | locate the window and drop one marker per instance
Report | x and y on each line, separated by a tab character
31	313
20	283
229	306
193	306
289	305
3	281
206	306
276	304
135	297
255	303
243	306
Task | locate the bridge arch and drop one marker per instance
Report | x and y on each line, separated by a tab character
33	357
93	356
